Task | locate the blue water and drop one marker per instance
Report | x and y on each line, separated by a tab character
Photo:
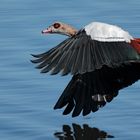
27	97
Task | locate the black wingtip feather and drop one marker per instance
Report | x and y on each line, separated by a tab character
60	104
44	71
36	55
69	108
33	61
38	60
86	110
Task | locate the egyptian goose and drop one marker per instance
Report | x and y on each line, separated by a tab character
102	58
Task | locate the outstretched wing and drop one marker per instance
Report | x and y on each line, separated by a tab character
91	91
81	54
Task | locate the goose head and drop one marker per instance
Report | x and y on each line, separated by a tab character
60	28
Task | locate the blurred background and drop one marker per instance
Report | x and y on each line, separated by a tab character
27	97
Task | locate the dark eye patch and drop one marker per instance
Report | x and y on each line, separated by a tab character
56	25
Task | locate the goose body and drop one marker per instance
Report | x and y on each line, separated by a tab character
102	58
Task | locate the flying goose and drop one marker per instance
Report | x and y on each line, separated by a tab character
102	58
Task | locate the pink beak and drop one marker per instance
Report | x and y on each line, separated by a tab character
46	31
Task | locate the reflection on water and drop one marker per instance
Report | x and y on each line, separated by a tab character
84	132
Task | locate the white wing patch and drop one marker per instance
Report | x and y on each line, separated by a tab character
106	32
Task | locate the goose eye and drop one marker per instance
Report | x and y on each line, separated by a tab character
56	25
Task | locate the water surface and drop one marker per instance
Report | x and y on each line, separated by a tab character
27	97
